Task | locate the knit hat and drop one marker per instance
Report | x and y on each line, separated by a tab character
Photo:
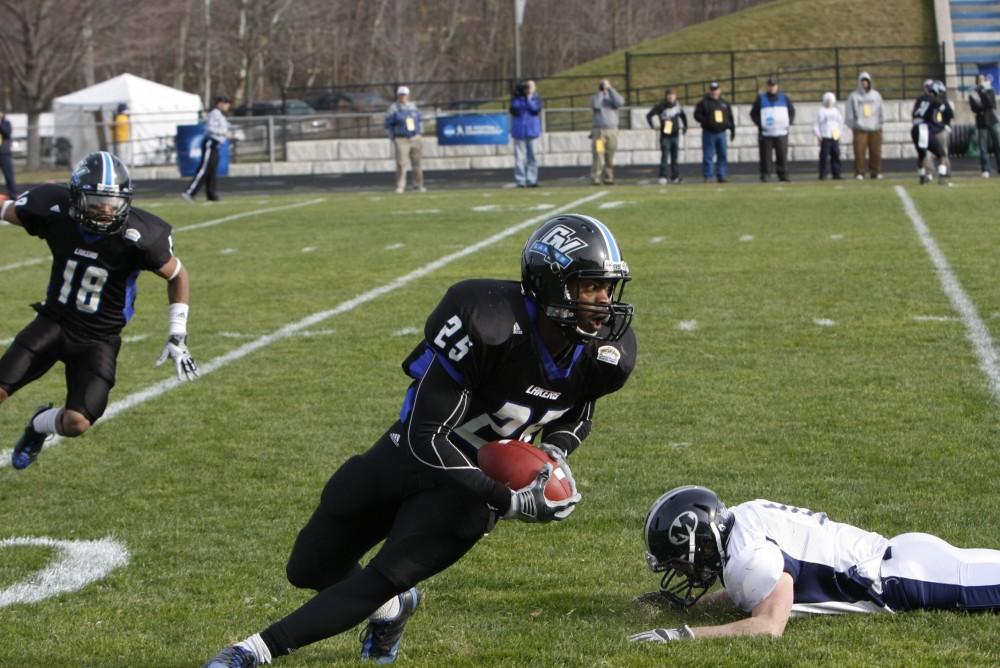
402	90
829	97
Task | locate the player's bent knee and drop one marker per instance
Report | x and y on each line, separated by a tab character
73	424
3	395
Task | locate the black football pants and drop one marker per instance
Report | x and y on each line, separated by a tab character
383	494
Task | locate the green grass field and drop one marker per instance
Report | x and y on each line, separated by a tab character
785	352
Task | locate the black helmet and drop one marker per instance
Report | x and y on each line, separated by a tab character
100	191
686	533
568	247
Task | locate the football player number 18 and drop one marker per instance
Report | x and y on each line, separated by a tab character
458	349
88	296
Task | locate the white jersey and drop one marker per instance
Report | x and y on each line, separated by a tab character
830	562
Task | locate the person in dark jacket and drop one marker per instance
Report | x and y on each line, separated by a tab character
525	129
983	101
6	162
673	123
932	116
716	118
773	114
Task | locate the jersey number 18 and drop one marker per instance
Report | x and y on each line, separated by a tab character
88	296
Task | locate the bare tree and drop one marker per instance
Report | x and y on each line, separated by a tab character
26	40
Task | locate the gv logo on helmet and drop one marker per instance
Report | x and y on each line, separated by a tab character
682	527
561	238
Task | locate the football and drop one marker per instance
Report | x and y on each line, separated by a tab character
516	464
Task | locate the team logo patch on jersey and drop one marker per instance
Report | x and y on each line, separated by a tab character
134	235
683	527
609	355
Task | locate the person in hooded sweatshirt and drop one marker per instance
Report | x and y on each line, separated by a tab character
673	123
865	115
932	116
828	126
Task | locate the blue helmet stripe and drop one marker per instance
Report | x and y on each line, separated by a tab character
614	254
109	169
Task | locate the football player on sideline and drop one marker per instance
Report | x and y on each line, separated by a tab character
99	244
777	561
499	359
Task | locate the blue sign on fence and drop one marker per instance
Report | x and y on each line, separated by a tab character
473	129
189	141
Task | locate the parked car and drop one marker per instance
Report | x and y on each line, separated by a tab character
349	101
286	108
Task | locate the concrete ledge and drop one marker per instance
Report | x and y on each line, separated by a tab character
365	149
301	151
380	166
338	167
492	162
432	164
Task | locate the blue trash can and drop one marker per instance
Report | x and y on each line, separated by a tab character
188	141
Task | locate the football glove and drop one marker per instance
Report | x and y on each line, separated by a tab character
177	350
663	635
558	454
530	505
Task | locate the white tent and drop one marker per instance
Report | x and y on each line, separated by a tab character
155	111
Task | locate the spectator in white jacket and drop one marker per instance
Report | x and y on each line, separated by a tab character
828	126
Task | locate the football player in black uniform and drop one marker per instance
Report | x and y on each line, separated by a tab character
499	359
99	244
932	116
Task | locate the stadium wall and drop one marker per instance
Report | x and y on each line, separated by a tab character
562	149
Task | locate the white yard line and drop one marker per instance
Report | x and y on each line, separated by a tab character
247	214
22	263
976	331
158	389
187	228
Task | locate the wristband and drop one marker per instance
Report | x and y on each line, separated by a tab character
3	210
177	319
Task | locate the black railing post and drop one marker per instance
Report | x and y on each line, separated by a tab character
628	78
732	73
903	82
836	68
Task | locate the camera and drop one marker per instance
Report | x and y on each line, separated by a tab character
521	89
600	86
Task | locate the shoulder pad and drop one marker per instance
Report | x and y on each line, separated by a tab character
752	574
489	309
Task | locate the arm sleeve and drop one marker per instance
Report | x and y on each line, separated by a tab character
850	111
389	122
616	99
753	574
684	119
699	112
595	102
439	405
535	104
159	252
755	112
568	432
33	209
5	130
655	111
730	118
791	111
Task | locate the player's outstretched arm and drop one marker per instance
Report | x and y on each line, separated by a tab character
769	618
178	292
8	213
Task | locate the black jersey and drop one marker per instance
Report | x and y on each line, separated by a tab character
92	286
484	334
934	111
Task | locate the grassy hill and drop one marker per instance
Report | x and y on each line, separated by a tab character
782	24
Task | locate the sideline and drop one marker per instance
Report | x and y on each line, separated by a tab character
158	389
976	330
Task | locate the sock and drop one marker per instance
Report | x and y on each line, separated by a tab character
256	645
942	170
922	172
388	610
338	608
45	423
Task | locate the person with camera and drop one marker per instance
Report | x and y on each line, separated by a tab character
604	133
673	123
983	101
525	129
6	162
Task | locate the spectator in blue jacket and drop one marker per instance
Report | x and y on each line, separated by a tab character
402	124
6	163
526	128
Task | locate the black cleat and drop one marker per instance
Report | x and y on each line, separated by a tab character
30	444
